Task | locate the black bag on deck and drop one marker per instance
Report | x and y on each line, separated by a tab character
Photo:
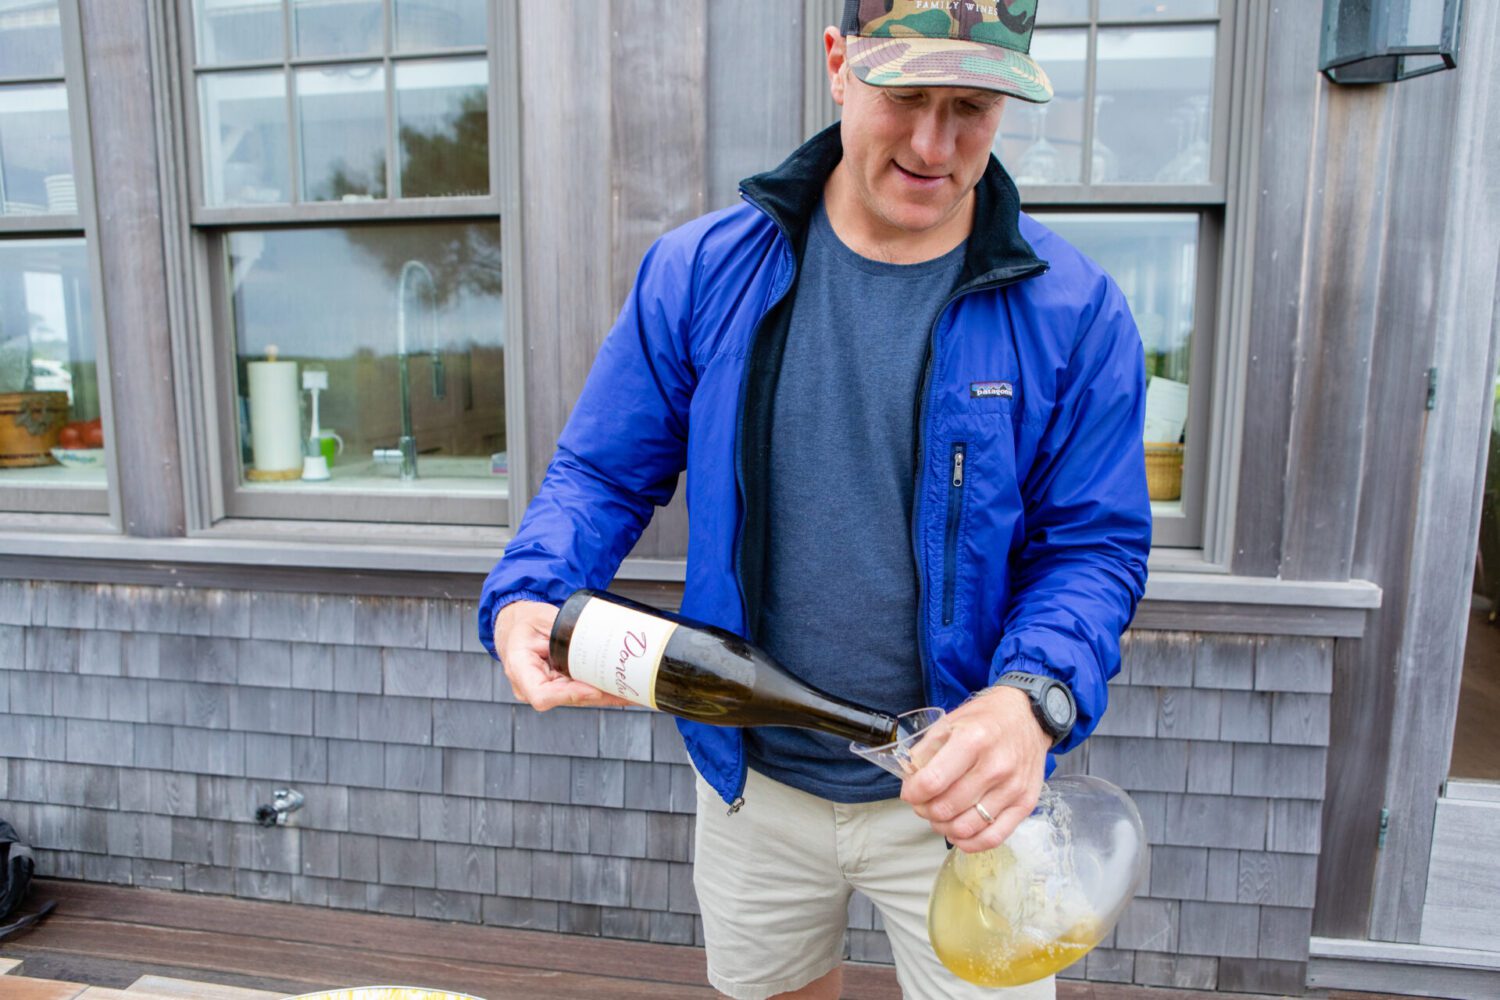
16	867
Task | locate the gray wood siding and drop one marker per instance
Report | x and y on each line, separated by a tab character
141	726
1422	119
755	95
117	61
657	165
1287	149
566	210
1465	311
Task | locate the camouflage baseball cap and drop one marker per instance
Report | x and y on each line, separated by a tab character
983	44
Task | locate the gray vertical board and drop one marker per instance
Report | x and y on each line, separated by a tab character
755	93
143	424
657	165
1346	251
565	172
1364	684
1466	314
1288	147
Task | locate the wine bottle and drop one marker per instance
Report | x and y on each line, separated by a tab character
695	671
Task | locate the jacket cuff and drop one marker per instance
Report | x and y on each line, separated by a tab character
1022	664
490	607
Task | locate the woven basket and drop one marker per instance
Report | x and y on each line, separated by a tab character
1164	470
30	424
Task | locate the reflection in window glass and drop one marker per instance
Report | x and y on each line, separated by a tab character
331	300
50	431
1055	11
439	24
442	109
36	152
245	154
341	119
1154	259
239	31
338	27
1156	89
30	38
1141	10
1043	143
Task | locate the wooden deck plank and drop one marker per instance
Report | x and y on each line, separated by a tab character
376	933
115	936
327	965
166	988
24	988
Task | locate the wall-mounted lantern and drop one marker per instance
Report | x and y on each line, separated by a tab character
1383	41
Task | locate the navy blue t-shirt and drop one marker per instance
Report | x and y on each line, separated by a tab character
840	607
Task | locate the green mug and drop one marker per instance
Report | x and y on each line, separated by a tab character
331	445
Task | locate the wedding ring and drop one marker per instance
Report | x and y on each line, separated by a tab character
982	811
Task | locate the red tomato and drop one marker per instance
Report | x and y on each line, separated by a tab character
71	437
93	437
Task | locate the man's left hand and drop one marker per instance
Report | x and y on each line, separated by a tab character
991	751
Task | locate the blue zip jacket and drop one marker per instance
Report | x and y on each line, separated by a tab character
1033	559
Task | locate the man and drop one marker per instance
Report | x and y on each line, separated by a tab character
911	421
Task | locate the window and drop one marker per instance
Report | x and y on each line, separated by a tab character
345	189
1128	163
52	436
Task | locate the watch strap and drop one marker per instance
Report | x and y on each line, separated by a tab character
1036	687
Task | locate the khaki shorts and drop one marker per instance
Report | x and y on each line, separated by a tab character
774	882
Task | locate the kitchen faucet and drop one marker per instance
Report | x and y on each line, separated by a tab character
405	451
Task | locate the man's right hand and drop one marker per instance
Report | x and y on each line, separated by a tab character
522	632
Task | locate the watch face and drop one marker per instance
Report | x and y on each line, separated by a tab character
1057	706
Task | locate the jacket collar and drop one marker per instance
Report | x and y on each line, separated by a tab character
790	193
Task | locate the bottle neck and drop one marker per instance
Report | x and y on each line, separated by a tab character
861	725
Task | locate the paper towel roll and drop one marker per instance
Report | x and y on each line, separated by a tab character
275	416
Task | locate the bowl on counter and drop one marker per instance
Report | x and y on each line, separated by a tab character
79	458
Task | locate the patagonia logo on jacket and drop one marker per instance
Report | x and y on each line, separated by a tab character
991	390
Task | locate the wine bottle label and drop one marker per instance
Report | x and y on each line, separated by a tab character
618	650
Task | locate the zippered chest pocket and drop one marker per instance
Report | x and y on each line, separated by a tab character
957	479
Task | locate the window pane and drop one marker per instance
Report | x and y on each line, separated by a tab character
49	380
444	128
1043	143
245	154
30	38
439	24
338	27
1156	91
341	116
1054	11
236	31
36	152
330	300
1154	259
1142	10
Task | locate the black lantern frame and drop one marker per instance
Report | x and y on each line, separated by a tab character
1386	41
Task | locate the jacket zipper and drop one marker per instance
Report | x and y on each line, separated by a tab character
955	514
923	653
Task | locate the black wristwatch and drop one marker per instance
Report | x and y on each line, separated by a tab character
1051	702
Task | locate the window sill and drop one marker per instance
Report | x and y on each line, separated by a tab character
64	477
1183	593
